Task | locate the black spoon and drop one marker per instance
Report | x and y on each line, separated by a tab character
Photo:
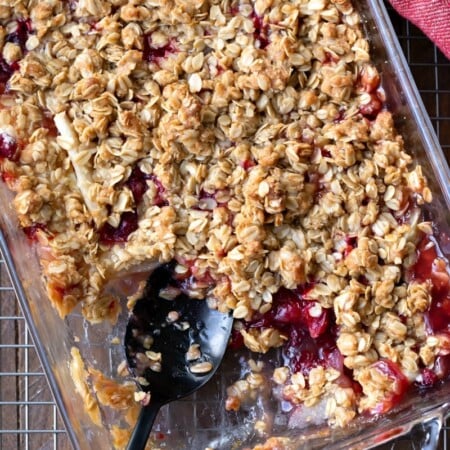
190	336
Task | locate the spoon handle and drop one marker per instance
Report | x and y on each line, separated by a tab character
143	426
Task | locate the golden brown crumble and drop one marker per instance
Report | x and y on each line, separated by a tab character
246	139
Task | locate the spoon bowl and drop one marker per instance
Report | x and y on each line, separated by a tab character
173	344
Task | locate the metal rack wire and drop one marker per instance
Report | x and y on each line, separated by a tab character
29	419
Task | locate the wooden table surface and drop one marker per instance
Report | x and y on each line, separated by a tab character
28	417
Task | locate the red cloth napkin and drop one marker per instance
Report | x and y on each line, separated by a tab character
431	16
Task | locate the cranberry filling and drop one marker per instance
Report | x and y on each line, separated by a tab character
137	182
194	278
8	177
302	352
19	37
340	116
428	378
351	244
8	147
6	70
371	109
236	340
32	230
330	58
261	33
399	385
110	235
311	330
429	267
247	164
49	124
154	54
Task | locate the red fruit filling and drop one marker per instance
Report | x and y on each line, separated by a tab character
128	223
310	329
369	80
137	182
427	378
49	124
399	386
32	230
330	58
261	33
21	34
430	267
8	177
371	109
154	54
6	70
236	340
19	37
8	147
340	116
194	277
351	244
247	164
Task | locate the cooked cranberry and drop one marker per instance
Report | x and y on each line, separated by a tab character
49	124
8	147
8	177
236	340
288	313
19	37
430	267
6	70
234	10
32	230
302	352
261	33
247	164
369	79
317	325
350	244
310	329
202	276
153	54
128	223
21	34
399	385
159	199
340	116
427	378
325	153
371	109
330	58
137	182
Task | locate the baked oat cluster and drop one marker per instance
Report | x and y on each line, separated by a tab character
250	141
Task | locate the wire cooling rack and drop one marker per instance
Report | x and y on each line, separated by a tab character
29	419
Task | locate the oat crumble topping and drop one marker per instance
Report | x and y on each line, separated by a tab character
250	141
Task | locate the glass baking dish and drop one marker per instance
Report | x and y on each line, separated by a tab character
201	421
